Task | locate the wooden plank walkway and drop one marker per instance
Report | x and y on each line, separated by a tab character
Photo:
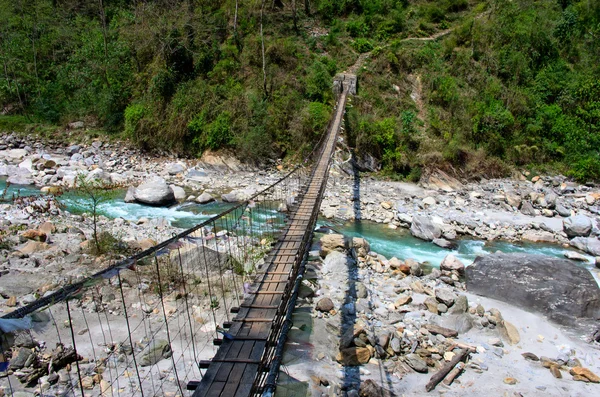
237	363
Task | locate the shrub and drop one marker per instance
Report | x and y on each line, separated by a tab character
586	169
218	133
133	114
362	45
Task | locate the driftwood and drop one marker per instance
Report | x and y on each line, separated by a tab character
441	374
454	373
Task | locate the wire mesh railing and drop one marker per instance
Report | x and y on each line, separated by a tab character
142	325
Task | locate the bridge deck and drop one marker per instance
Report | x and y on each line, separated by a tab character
233	370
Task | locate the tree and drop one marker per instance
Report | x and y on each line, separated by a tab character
96	191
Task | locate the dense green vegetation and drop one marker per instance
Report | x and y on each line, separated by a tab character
513	82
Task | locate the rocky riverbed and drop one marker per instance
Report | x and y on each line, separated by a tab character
374	326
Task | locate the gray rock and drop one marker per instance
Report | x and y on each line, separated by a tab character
324	305
154	191
461	323
461	305
562	211
21	358
71	150
155	351
558	288
451	263
416	363
234	196
575	256
578	225
445	296
174	168
205	198
551	198
441	242
178	192
129	196
527	209
591	245
423	228
395	345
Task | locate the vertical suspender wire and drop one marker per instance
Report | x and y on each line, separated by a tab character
59	341
149	337
209	283
106	344
230	260
137	371
220	272
74	346
187	308
112	341
162	303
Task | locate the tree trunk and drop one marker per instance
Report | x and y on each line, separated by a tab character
235	19
262	40
105	39
295	15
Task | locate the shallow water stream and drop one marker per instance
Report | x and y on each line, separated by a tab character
388	242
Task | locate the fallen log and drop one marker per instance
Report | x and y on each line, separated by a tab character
454	373
441	374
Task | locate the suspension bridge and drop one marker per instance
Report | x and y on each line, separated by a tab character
204	313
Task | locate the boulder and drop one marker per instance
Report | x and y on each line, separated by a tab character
154	191
591	245
508	332
451	263
575	256
443	243
415	362
235	196
332	242
324	305
423	228
178	192
174	168
562	211
155	351
527	209
578	225
205	198
513	199
129	196
538	236
445	296
568	294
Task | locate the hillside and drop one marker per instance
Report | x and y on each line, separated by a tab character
473	87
